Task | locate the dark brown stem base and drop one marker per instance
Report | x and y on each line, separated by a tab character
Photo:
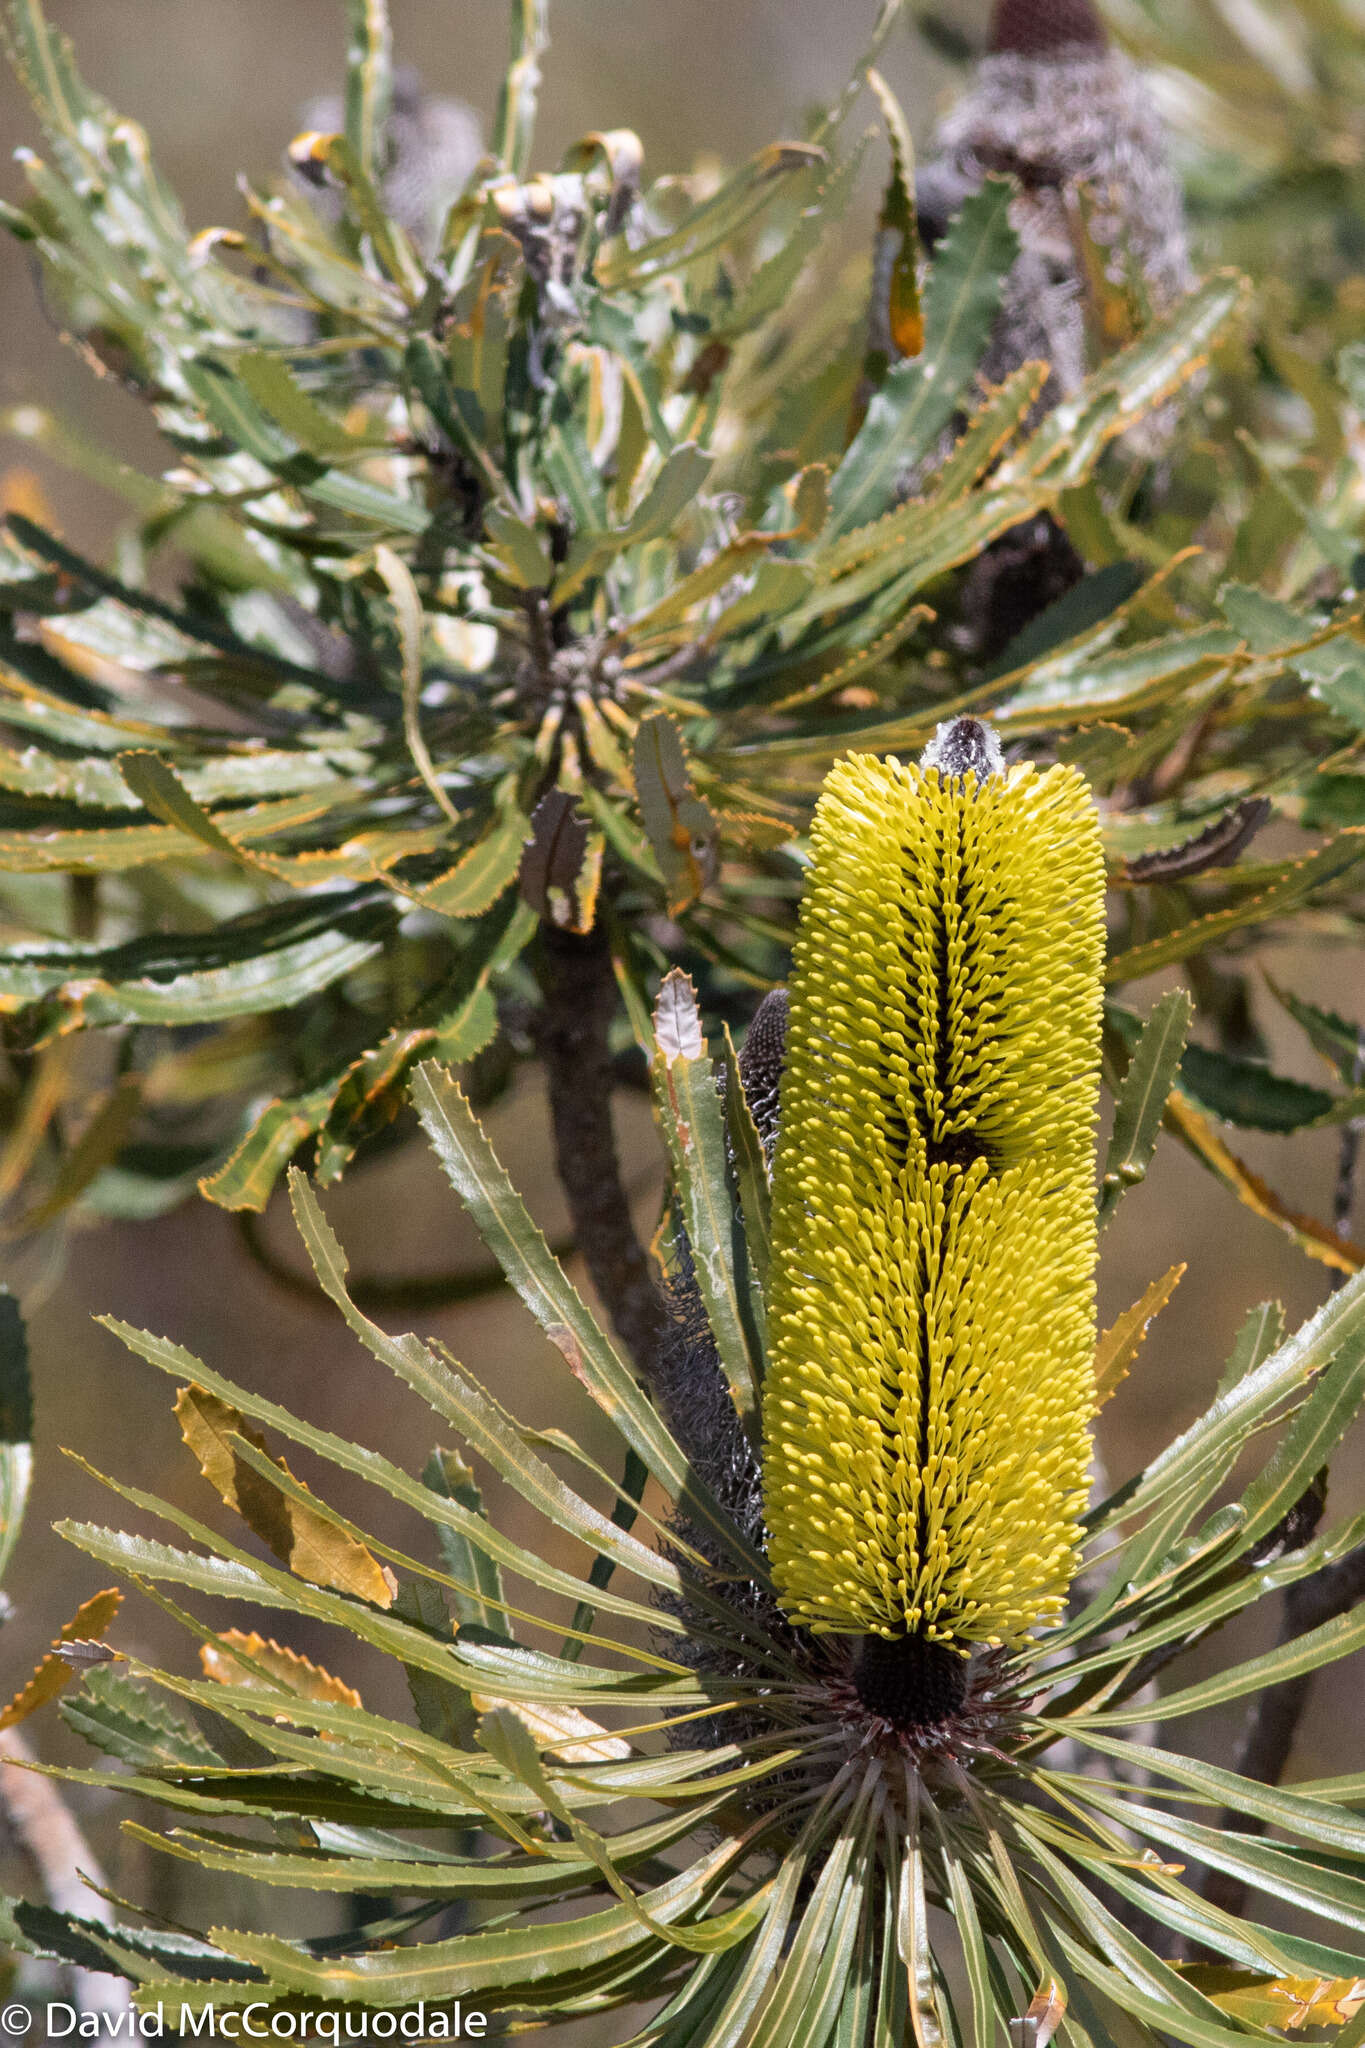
579	995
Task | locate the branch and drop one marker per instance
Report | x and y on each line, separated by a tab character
578	988
1269	1738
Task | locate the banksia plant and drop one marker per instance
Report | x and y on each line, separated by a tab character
522	557
658	1782
932	1321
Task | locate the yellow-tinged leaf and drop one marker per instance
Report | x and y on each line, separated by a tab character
305	1540
53	1674
900	228
810	500
1309	1235
1120	1344
1285	2003
160	790
479	877
260	1663
563	1732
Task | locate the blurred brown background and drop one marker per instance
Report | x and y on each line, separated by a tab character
218	83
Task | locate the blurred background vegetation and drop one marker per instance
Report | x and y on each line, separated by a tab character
1269	133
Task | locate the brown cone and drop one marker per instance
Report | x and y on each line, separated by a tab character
1045	28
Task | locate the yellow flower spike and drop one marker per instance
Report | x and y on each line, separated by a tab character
930	1381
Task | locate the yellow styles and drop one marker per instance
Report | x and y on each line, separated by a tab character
930	1381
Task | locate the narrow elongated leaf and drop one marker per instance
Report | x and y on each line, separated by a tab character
1120	1344
128	1721
479	1533
483	1425
520	1248
801	2010
1310	1440
157	786
1292	884
1327	1644
1260	1334
1316	1820
448	1475
765	1951
1283	1376
474	1962
694	1129
369	82
508	1737
407	607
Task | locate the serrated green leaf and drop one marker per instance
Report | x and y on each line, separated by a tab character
1338	1040
1292	883
279	393
245	1180
480	1534
1141	1100
481	874
474	1962
1248	1093
918	398
520	1248
684	471
126	1720
1260	1334
447	1474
